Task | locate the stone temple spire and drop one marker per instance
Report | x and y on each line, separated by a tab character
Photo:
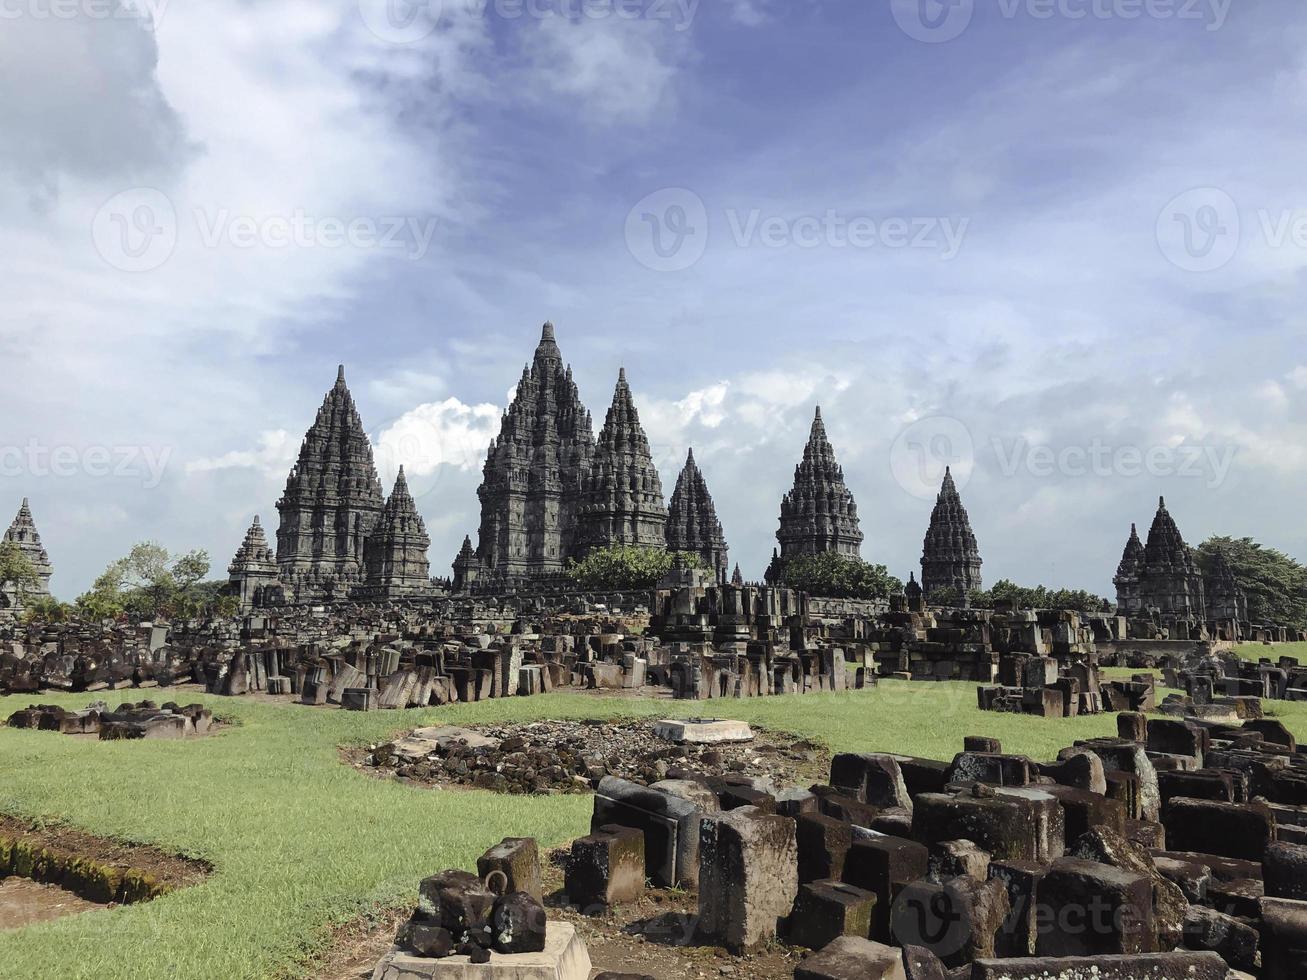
532	474
1226	600
253	569
1170	580
23	533
331	503
950	558
621	500
819	513
692	523
737	577
396	554
1127	575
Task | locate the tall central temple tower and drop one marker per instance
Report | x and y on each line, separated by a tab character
533	470
819	513
331	504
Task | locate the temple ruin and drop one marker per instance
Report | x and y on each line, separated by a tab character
950	558
692	524
24	534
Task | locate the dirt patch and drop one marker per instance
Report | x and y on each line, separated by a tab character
549	757
98	869
24	903
352	951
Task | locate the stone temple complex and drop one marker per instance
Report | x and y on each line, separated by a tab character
1226	600
1127	575
692	524
1169	578
23	533
950	558
395	556
819	513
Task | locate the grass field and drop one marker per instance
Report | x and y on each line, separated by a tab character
300	842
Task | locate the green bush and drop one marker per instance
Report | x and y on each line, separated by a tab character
839	576
626	567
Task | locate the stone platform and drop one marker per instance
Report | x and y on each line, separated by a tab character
703	731
564	958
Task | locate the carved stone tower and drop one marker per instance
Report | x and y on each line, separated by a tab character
692	523
950	558
396	554
23	533
819	513
331	504
621	500
1127	575
533	472
253	570
1225	599
1170	580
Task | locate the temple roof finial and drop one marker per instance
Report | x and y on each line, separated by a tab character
340	374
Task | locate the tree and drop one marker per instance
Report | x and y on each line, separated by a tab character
1275	584
839	577
16	570
47	610
624	567
1022	597
149	583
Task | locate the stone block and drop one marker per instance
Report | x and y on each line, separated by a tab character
748	875
669	823
823	844
951	858
607	868
1087	908
703	731
1284	869
1155	966
851	958
1234	941
1237	830
1284	939
826	910
517	860
957	920
883	865
1016	936
356	699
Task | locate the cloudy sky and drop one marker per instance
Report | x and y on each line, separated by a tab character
1058	244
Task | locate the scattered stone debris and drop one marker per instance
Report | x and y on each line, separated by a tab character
127	721
574	756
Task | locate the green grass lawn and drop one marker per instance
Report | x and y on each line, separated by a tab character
300	841
1256	651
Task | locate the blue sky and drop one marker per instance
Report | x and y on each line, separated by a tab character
1057	244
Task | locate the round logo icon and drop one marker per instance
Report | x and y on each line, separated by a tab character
933	21
136	230
933	916
668	230
401	21
925	449
1200	230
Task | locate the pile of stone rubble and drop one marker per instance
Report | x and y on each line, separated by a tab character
127	721
573	756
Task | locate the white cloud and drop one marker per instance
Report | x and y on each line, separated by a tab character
432	437
275	454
